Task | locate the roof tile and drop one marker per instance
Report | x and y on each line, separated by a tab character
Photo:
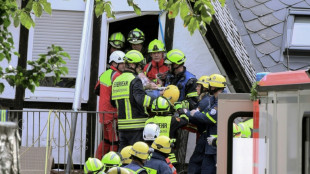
262	1
277	41
278	28
259	54
248	3
277	68
275	5
290	2
261	10
254	25
302	5
276	55
266	48
280	14
297	65
269	20
239	7
247	15
268	34
267	61
256	39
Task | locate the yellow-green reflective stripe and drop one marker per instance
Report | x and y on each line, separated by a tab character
147	100
3	115
131	126
184	116
132	120
192	94
210	118
128	108
119	96
150	170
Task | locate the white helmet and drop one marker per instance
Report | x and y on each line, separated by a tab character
151	132
117	57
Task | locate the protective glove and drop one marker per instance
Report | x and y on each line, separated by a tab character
211	139
193	112
177	105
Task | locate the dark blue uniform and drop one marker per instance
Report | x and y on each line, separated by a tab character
135	168
209	118
158	163
195	162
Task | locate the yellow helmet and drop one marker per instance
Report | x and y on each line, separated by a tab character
172	93
93	165
162	144
203	80
161	104
126	155
175	56
217	80
140	150
118	170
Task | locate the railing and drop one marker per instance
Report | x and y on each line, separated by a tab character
51	130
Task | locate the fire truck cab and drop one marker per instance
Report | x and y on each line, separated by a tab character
280	142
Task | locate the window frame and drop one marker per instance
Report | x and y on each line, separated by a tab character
305	118
56	94
287	45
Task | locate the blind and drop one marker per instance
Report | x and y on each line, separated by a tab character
62	28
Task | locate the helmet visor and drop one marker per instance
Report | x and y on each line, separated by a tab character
167	62
116	43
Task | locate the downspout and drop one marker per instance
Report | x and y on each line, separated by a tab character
88	16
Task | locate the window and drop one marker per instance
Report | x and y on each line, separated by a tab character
63	28
298	36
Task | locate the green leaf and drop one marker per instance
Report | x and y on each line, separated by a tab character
137	9
130	2
6	23
64	70
26	20
47	7
203	28
99	8
206	16
65	54
29	6
187	19
174	10
1	56
1	87
16	20
193	25
184	9
222	2
162	4
37	9
108	10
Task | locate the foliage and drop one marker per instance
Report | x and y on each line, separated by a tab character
254	92
52	62
195	13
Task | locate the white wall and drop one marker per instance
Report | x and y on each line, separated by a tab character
199	60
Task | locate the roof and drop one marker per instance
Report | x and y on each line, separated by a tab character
262	26
230	30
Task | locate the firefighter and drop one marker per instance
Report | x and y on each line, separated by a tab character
139	154
131	100
156	70
111	159
104	89
195	162
179	76
246	127
212	140
136	39
150	133
116	42
126	155
118	170
164	118
157	163
217	83
93	165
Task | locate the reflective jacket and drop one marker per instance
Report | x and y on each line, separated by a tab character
131	102
104	86
186	82
153	68
246	128
135	168
157	164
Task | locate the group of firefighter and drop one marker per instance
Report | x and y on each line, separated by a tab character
146	95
